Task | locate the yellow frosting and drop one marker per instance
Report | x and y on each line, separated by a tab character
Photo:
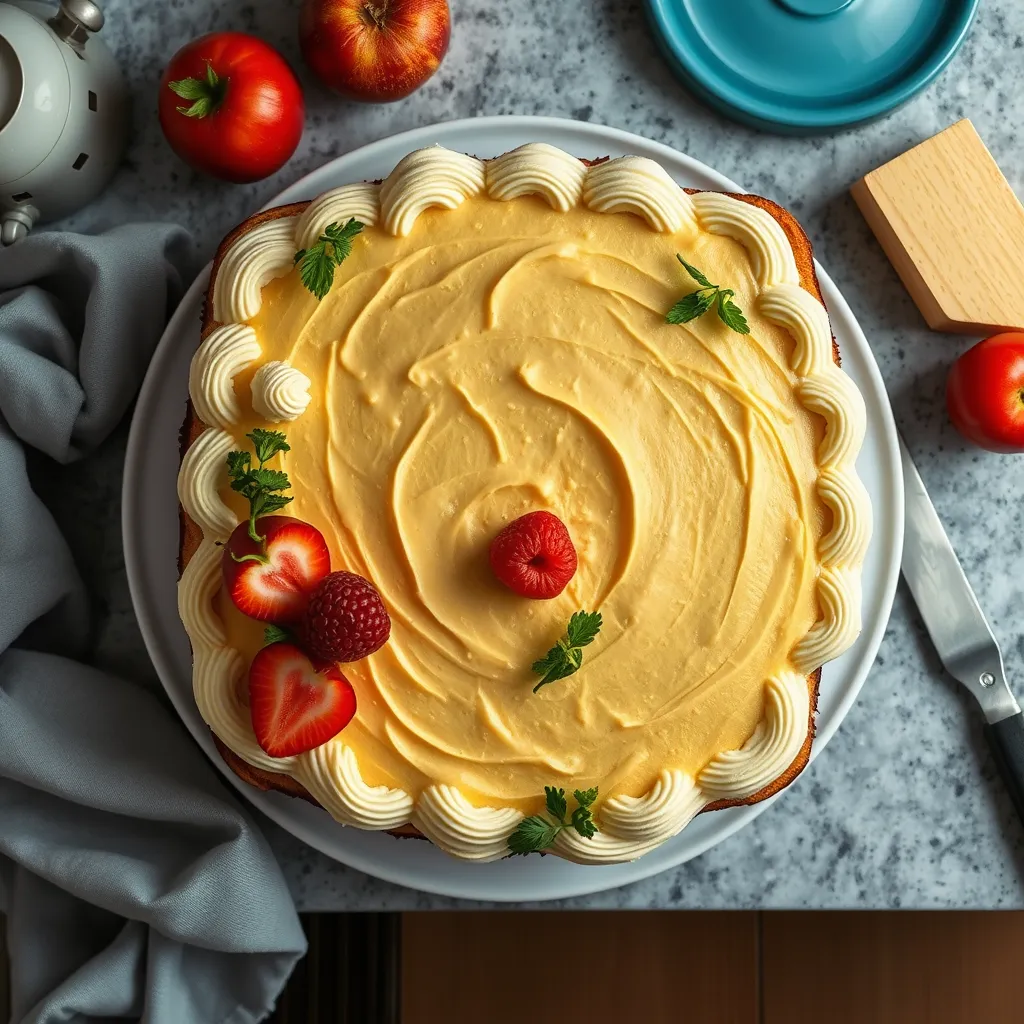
505	357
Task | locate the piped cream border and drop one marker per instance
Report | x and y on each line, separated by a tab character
436	177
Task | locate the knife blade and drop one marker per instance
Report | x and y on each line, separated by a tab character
958	628
951	613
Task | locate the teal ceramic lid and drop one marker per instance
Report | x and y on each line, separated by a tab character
803	66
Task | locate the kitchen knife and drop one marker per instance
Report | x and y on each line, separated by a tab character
959	631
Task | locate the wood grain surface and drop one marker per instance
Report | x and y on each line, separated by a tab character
709	967
350	974
806	967
923	967
509	967
953	229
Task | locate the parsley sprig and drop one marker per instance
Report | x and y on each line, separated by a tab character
260	486
317	263
539	832
566	656
697	303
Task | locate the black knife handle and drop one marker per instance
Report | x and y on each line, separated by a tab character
1006	738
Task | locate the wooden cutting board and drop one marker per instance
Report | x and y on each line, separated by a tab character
952	227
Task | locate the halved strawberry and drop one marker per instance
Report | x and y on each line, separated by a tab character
294	707
271	581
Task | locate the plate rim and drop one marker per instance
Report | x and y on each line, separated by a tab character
738	105
585	880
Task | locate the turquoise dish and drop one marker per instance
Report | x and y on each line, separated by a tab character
806	66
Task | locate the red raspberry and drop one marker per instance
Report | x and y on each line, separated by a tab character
345	620
534	555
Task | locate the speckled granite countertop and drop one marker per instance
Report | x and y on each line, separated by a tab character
904	809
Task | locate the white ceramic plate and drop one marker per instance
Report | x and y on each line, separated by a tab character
151	540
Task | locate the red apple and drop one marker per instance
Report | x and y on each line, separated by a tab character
374	50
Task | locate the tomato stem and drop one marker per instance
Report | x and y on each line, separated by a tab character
206	93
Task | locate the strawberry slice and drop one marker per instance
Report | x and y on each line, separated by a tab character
294	707
271	581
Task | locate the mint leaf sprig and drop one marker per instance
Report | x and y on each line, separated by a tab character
566	656
539	832
260	486
697	303
332	248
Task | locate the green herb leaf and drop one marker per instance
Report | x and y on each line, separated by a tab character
269	479
533	835
538	832
583	628
697	303
238	463
555	800
730	314
260	486
317	262
583	822
275	634
553	666
317	271
268	443
696	274
585	797
269	503
691	306
566	656
253	483
342	238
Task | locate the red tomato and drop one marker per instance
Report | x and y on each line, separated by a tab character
985	393
231	107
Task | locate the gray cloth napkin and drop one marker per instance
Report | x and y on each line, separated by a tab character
135	887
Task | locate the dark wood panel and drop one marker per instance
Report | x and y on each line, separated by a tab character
350	974
515	966
892	967
5	981
652	966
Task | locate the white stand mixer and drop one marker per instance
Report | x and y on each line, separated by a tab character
63	112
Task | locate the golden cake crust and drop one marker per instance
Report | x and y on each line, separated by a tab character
191	534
